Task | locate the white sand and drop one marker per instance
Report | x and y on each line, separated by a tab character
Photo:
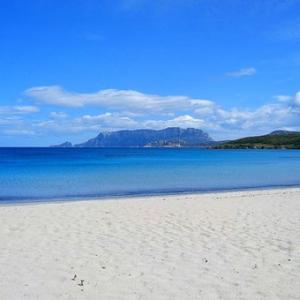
237	245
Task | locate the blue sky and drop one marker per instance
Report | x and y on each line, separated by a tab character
70	69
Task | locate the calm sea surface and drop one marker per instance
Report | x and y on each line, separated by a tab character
44	173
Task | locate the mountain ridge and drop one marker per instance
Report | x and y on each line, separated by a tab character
168	137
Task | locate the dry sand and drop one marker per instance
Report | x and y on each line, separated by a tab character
236	245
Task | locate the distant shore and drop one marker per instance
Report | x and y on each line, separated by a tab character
232	245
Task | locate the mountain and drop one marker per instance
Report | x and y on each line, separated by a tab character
283	132
63	145
169	137
274	140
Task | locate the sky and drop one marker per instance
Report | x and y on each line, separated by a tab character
70	69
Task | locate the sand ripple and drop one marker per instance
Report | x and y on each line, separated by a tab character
242	245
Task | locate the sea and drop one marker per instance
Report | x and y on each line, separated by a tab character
51	174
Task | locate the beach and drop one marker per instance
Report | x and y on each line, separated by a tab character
227	245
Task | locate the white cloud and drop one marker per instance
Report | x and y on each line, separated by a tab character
114	99
107	121
215	120
58	115
242	72
289	100
26	109
15	110
10	121
126	109
283	98
18	132
184	121
297	99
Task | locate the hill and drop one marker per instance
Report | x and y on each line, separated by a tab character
63	145
275	140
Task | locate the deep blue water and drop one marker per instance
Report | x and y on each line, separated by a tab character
43	173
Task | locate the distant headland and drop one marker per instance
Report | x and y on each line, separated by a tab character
174	137
169	137
279	139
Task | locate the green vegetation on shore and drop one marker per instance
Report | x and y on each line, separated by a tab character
274	140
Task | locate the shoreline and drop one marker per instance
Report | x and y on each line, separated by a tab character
40	200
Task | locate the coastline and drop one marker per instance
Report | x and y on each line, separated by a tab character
67	199
232	245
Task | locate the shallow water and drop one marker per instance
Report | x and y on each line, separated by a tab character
46	173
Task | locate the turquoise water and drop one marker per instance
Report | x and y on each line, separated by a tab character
49	173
